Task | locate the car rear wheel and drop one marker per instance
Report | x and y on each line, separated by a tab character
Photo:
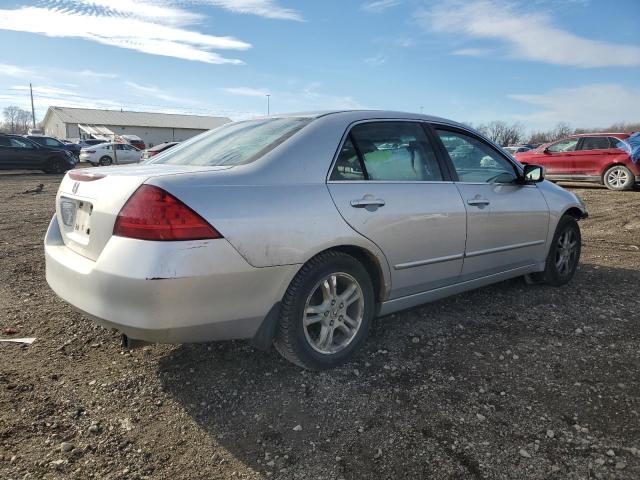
105	161
619	177
564	254
326	312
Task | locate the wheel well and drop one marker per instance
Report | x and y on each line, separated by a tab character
604	170
370	263
575	212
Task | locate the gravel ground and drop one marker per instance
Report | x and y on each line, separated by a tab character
508	381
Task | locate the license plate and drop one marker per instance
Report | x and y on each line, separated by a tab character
76	214
68	212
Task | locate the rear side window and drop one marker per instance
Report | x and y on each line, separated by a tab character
616	143
387	151
348	166
595	143
236	143
474	160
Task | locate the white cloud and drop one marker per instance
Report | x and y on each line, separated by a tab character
125	31
153	91
377	60
262	8
471	52
527	36
7	70
379	6
96	75
247	92
43	90
595	105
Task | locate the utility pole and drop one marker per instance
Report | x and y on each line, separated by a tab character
33	111
268	104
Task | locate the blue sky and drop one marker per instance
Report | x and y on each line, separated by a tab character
537	62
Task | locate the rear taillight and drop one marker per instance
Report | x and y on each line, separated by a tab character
152	153
154	214
85	177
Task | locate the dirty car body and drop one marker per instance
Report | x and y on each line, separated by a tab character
274	195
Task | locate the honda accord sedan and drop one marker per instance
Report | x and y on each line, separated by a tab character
298	230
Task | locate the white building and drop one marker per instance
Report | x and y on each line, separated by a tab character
152	128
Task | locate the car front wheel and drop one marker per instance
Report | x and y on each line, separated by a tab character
564	254
618	177
326	312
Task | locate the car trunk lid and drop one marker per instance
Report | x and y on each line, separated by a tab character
89	200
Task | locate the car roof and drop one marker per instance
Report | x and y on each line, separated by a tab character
601	134
364	114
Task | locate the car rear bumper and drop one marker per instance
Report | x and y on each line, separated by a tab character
166	292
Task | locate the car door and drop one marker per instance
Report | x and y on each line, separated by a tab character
26	154
558	158
591	155
507	221
389	185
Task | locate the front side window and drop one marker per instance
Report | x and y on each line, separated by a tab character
567	145
595	143
474	160
390	151
236	143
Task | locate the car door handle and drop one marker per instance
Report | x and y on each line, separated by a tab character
368	202
478	201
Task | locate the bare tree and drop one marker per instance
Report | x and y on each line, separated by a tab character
10	114
23	121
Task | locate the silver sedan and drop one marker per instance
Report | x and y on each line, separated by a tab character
298	230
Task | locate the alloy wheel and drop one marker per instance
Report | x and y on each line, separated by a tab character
566	252
333	313
617	177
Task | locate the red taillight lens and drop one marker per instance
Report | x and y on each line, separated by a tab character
152	153
153	214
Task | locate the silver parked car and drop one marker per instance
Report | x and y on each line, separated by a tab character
298	230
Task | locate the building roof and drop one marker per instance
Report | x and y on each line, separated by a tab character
141	119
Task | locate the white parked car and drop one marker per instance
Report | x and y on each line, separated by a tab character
102	154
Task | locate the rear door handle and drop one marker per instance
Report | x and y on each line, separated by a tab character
368	202
477	201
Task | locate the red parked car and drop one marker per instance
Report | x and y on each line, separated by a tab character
589	157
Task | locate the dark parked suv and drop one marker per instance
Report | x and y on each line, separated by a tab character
55	143
18	152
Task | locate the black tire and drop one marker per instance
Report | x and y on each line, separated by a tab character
552	274
619	178
55	165
290	338
105	161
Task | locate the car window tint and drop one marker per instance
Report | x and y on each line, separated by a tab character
595	143
20	143
5	142
52	142
396	151
348	166
616	143
474	160
567	145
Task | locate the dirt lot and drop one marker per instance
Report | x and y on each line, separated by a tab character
509	381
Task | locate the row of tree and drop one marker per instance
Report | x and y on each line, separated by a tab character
16	120
506	134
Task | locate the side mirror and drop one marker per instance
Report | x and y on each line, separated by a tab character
546	150
533	173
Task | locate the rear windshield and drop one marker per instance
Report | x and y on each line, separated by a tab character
236	143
